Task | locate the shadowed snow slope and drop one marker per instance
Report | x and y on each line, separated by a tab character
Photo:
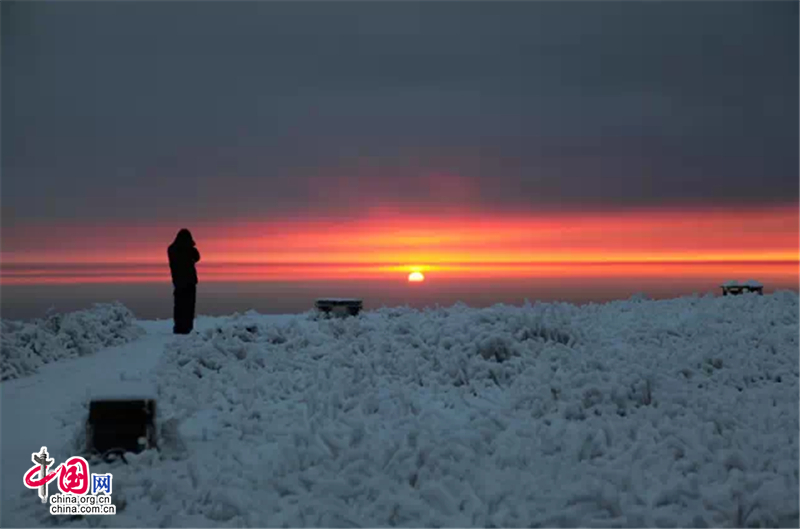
678	412
27	346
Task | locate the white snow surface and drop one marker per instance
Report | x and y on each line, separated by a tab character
748	283
26	346
678	412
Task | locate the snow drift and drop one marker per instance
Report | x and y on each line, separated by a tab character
638	413
28	346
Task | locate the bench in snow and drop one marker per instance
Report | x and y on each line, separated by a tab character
733	288
349	305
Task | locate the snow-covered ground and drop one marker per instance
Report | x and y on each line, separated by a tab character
677	412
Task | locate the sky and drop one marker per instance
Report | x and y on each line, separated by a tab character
301	141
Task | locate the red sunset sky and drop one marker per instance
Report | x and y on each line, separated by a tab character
694	241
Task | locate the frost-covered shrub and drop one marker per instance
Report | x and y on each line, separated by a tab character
496	347
26	346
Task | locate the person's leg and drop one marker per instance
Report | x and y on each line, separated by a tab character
181	304
176	311
191	302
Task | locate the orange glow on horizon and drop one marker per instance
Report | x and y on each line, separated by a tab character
784	273
391	246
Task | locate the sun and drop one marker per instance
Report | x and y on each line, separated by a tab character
416	277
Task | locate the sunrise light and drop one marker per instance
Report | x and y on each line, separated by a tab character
416	277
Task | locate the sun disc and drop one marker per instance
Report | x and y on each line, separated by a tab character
416	277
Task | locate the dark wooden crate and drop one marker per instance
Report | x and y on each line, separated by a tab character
352	306
118	424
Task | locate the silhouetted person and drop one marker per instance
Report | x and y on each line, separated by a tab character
182	257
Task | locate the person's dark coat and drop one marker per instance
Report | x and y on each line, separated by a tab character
182	257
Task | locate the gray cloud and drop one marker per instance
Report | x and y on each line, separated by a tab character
112	111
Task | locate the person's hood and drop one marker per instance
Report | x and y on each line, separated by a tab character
184	238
